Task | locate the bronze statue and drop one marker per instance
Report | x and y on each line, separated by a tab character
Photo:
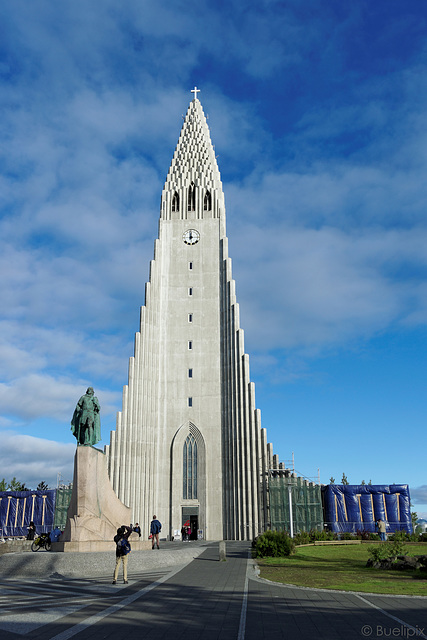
86	422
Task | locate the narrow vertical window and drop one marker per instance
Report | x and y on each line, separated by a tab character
189	468
184	470
207	203
175	202
190	344
190	265
192	197
190	373
190	317
190	291
190	402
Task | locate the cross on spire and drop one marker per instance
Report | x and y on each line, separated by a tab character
195	91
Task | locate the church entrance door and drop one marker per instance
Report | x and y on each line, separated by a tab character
190	521
194	525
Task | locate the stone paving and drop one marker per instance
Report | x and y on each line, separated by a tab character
184	591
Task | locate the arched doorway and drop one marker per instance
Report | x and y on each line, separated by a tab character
188	482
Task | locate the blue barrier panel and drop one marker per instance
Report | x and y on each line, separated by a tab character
18	508
350	508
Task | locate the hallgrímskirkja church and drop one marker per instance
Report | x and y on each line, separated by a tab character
188	444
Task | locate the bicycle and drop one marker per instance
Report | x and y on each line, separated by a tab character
41	542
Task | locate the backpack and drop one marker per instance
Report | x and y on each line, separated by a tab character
123	546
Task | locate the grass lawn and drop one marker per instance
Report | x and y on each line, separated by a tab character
343	567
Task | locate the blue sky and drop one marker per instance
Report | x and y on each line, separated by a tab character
317	113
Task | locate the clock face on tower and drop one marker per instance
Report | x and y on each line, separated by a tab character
191	236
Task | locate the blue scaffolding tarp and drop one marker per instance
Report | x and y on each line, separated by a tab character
356	507
18	508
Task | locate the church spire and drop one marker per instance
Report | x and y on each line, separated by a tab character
193	187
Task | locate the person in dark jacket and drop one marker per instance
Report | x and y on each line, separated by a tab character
122	551
31	531
155	529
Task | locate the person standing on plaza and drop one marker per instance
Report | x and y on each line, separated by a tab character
382	528
155	528
122	552
31	531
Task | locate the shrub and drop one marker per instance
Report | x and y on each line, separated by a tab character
362	534
348	536
397	543
322	535
303	537
379	552
390	549
273	544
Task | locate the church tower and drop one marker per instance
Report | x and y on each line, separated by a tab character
188	444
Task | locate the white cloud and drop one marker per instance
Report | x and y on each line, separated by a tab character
32	460
326	287
41	396
419	495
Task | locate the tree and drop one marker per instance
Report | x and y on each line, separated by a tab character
414	518
332	480
344	479
42	486
363	482
15	485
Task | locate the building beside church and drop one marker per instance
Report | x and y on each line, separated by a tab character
188	444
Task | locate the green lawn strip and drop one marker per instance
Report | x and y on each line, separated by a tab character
343	567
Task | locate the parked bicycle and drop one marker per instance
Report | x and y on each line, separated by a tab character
41	541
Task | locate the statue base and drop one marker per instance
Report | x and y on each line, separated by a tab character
95	512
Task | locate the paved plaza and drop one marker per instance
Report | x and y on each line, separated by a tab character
184	591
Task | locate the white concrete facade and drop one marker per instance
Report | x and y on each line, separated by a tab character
188	441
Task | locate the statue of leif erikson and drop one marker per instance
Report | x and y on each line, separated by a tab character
86	422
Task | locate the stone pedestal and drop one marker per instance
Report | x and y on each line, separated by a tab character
95	512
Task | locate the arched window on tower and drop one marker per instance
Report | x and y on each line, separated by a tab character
189	463
175	202
192	197
207	203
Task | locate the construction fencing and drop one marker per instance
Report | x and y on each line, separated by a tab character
62	501
295	504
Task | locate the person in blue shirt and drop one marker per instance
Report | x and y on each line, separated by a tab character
55	534
155	529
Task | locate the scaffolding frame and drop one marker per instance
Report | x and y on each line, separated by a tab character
295	502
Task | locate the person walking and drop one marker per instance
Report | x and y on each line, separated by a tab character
155	528
122	552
